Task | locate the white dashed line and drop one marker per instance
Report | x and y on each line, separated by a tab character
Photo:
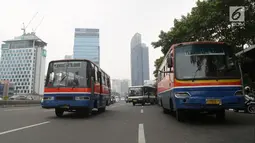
22	128
20	109
141	137
142	111
49	110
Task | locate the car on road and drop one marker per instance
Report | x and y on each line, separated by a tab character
18	97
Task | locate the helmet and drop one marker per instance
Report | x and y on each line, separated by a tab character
247	88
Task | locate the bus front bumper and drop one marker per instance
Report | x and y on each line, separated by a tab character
70	104
202	103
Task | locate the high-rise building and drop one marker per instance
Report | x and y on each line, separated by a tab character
116	85
120	85
124	86
23	63
68	56
86	45
139	61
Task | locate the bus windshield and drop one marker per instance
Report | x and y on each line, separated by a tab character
150	91
205	61
67	74
135	91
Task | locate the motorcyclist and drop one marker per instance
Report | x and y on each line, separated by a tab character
248	93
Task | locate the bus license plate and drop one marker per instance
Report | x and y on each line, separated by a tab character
213	101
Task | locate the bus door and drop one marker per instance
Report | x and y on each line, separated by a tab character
146	93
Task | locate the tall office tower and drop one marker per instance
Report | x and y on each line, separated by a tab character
139	61
86	45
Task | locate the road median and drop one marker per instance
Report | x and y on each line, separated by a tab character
18	103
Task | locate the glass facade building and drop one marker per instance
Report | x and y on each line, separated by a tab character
139	61
23	63
86	45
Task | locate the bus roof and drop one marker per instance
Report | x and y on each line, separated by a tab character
63	60
198	42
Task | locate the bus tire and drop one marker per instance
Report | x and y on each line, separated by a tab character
220	115
133	104
143	103
59	112
102	109
180	116
171	106
165	111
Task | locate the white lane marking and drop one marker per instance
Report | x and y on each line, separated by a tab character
20	109
22	128
48	110
142	111
141	137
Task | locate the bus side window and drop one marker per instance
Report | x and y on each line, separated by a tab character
89	73
93	71
96	76
109	83
99	77
103	80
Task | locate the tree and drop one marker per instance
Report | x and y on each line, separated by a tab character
157	64
209	20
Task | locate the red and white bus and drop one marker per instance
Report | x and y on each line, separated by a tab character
76	85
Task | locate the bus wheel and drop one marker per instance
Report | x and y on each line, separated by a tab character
220	115
143	103
180	115
59	112
133	104
102	109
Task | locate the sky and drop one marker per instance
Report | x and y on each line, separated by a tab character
118	21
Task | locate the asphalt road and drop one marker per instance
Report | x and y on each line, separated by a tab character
121	123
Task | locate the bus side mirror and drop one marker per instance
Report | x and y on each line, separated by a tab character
169	62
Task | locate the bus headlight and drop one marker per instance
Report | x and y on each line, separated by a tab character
239	93
181	95
82	98
48	98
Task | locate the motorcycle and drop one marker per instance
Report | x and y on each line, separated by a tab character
249	101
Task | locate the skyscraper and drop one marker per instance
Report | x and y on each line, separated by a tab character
86	45
23	63
139	61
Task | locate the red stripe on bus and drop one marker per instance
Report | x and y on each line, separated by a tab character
206	84
67	89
